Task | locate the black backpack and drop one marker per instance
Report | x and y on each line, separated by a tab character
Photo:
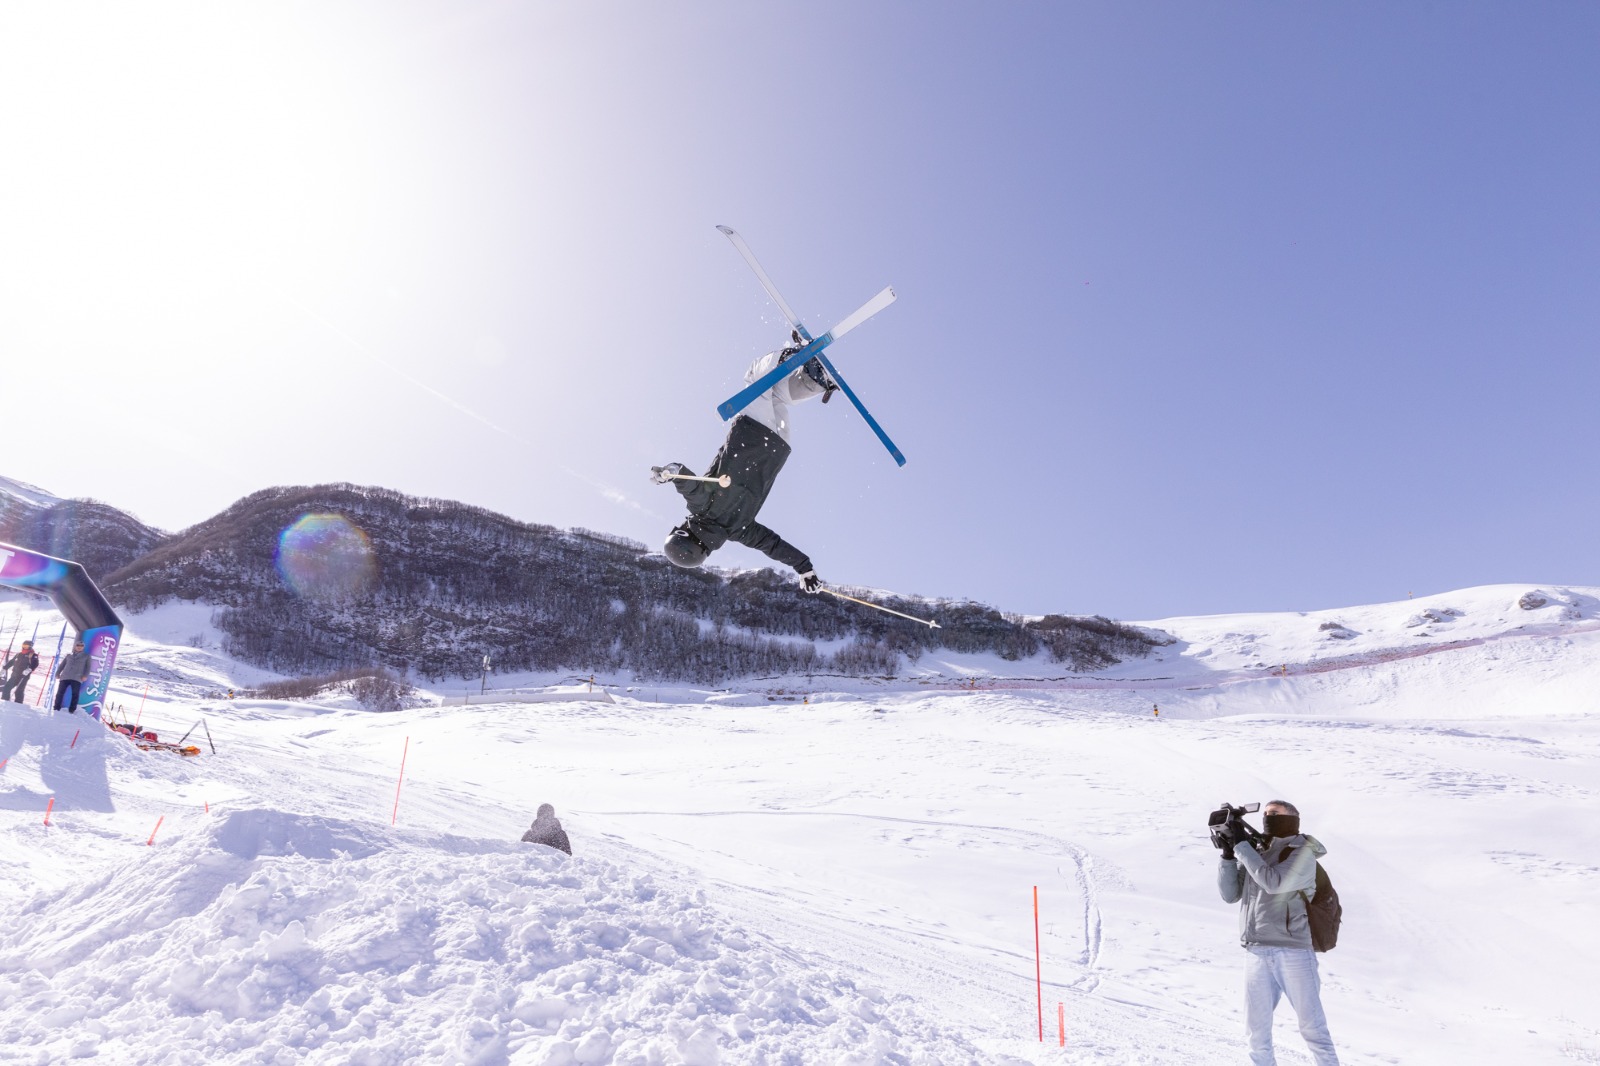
1323	911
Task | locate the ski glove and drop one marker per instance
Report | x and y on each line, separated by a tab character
663	474
810	582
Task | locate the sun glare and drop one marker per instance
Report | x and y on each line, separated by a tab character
173	170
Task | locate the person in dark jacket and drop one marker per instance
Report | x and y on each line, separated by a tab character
546	830
17	670
72	673
1275	930
751	457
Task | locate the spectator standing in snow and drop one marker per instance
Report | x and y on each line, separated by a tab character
754	452
546	830
1275	930
72	673
17	670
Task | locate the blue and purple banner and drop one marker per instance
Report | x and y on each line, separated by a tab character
75	596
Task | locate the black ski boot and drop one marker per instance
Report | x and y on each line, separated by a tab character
814	370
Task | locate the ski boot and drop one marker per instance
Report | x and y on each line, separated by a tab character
815	371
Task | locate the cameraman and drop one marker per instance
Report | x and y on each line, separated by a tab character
1274	929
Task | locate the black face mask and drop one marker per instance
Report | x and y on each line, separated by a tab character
1281	825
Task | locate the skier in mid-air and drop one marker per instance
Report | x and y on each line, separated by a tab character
749	461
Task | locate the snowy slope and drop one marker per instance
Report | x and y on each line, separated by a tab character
845	879
30	495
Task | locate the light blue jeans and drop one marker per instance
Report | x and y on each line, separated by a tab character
1291	972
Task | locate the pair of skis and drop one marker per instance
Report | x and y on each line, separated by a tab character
813	348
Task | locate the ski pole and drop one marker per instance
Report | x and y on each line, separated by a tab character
876	607
723	481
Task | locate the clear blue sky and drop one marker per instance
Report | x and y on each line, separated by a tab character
1203	308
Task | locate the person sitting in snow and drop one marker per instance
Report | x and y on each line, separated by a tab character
17	670
546	830
756	449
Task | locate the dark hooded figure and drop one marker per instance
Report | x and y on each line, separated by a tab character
750	459
546	830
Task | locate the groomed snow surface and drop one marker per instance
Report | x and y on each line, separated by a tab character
820	872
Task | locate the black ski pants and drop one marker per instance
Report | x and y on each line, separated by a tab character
61	692
16	689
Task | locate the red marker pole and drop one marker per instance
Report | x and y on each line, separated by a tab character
152	839
74	740
1061	1019
140	718
1038	968
400	782
48	808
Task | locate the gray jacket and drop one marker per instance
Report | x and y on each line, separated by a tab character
1272	915
74	667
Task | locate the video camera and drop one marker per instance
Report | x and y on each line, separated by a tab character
1229	815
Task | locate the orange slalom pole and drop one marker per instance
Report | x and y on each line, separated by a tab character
140	718
1038	967
38	701
48	808
152	839
400	782
1061	1018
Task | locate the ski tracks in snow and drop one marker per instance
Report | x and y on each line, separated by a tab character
831	925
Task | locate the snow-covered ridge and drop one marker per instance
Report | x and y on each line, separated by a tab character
1375	631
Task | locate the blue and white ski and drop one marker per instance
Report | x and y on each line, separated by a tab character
813	348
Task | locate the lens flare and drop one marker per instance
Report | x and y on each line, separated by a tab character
326	556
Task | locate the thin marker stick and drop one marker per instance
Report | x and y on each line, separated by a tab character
1038	968
400	782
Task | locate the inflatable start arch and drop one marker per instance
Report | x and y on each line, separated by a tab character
76	597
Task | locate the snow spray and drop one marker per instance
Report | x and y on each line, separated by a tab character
152	839
1038	968
397	784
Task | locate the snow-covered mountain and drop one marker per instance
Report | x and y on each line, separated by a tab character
839	872
309	580
99	536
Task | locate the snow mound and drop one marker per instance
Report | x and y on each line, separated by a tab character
280	938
